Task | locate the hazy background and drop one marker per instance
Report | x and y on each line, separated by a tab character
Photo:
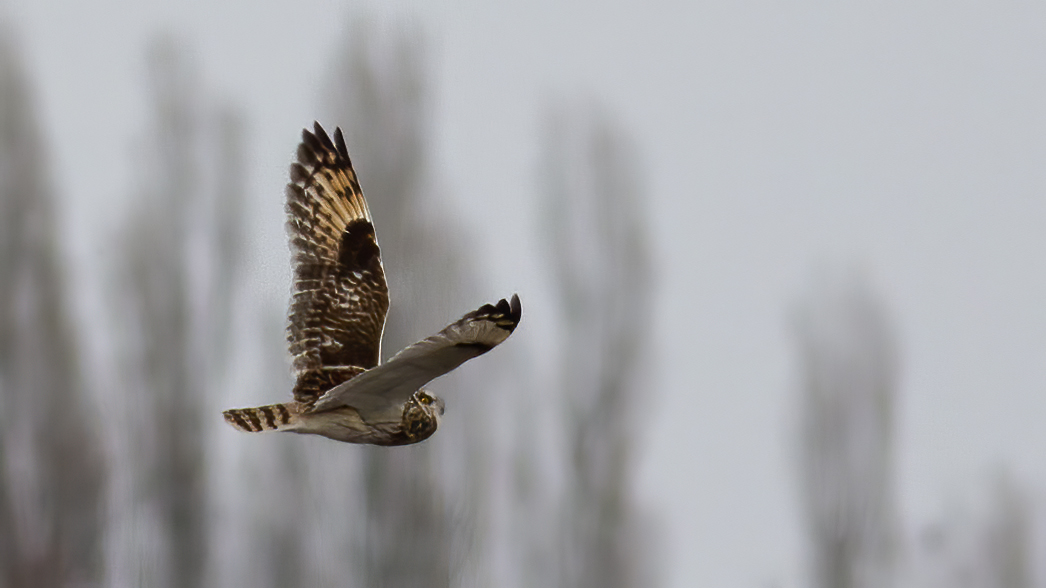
781	269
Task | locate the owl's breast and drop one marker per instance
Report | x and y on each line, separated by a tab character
419	422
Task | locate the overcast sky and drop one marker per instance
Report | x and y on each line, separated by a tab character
775	138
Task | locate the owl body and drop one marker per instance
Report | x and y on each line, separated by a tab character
337	316
418	421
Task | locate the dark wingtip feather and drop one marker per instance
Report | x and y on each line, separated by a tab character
515	310
312	143
502	307
324	139
339	142
315	144
306	156
504	312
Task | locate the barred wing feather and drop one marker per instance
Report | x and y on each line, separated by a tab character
340	297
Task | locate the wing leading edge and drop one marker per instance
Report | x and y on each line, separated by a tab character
379	390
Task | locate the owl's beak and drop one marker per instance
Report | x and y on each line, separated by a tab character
441	405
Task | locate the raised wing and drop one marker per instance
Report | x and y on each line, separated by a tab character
379	393
340	297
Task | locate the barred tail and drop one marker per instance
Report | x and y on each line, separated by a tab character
261	418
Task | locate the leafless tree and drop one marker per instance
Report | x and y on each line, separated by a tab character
52	469
848	386
603	278
420	501
176	283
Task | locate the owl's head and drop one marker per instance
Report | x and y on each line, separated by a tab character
430	402
421	416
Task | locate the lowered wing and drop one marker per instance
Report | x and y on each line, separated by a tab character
382	390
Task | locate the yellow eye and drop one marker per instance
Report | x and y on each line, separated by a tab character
426	400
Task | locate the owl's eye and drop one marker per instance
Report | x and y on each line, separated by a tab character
426	400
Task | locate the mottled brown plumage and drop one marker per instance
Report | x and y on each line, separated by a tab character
337	315
340	297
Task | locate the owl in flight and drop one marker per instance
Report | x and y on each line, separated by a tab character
337	316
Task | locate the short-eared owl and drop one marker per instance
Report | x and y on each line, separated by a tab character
337	316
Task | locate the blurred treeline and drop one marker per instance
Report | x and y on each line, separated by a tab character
137	482
848	391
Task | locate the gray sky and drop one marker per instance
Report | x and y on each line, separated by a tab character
904	137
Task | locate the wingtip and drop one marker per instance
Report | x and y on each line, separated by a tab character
308	136
317	145
515	310
339	143
506	312
310	150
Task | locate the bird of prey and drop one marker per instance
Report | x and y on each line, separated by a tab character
337	315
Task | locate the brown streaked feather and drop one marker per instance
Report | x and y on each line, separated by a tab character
340	297
311	384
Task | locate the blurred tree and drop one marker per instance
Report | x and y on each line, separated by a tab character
268	489
848	382
603	276
180	253
419	501
992	546
51	461
1008	541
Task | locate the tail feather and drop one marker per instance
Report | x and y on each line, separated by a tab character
272	417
